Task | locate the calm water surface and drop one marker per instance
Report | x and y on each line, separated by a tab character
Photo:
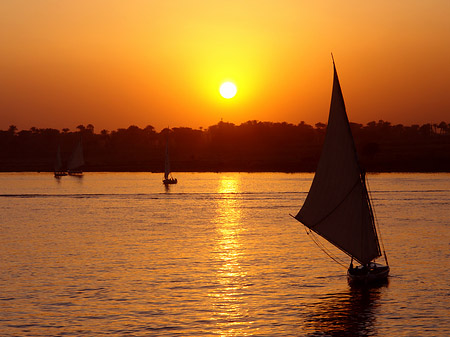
216	255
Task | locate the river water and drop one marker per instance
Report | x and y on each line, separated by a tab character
215	255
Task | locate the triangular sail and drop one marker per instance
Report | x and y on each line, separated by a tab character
77	159
337	206
167	162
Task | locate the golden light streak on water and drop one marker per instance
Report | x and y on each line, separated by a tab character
228	303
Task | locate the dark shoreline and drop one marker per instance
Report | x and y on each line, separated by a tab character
227	171
250	147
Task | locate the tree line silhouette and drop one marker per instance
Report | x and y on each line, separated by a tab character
249	147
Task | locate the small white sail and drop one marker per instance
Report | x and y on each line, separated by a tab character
58	161
77	159
168	179
337	206
167	162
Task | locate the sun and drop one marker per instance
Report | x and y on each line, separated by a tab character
228	90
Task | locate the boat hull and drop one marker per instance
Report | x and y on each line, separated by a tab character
75	173
170	181
362	274
60	174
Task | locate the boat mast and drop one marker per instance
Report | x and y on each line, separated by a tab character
362	176
167	162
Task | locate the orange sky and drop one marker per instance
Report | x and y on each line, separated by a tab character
119	63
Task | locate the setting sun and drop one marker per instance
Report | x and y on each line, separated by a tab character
163	63
228	90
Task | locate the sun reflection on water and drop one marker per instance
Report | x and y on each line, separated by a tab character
230	314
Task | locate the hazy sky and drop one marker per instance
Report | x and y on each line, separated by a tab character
120	63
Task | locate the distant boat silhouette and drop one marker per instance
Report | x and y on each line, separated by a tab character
168	179
59	172
338	205
76	161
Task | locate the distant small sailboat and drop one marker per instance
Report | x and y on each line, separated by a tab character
76	161
168	179
338	206
59	172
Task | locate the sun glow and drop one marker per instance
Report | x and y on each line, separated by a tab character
228	90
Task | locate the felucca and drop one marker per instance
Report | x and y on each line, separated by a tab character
338	206
59	172
168	179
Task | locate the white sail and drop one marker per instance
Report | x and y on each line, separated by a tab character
58	161
167	162
337	206
77	159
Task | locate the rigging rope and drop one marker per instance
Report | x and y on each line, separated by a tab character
375	219
322	247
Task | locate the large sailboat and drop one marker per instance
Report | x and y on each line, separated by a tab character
59	172
168	179
76	161
338	206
